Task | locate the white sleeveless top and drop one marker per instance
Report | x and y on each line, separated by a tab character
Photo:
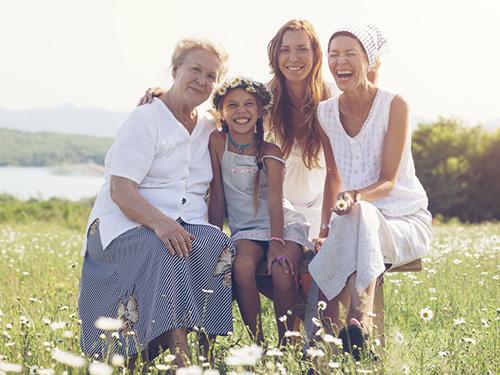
359	158
303	188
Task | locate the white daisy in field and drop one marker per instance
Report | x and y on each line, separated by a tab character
444	353
162	367
99	368
283	318
211	372
191	370
118	360
46	321
68	359
169	358
274	352
245	356
292	334
333	364
108	324
315	352
458	322
456	262
207	291
316	321
57	325
485	323
10	367
68	334
322	305
332	340
46	371
426	314
23	320
432	290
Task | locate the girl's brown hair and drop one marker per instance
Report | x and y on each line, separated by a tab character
279	123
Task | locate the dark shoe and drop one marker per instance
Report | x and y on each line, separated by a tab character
353	340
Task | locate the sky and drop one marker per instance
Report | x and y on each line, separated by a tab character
443	57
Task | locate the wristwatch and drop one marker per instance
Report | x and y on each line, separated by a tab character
323	226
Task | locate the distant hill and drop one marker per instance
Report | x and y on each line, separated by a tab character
18	148
66	119
69	119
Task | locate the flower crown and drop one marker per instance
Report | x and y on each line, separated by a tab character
249	85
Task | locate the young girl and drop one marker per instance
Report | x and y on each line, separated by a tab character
248	178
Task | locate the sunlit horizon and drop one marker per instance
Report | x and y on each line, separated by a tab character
105	54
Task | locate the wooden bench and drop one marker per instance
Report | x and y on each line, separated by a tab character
265	286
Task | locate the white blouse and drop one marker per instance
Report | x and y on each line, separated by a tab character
359	158
153	149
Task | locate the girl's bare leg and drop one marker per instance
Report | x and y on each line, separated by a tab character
248	256
284	288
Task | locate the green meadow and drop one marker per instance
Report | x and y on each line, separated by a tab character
40	267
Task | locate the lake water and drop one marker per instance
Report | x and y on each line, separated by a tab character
70	182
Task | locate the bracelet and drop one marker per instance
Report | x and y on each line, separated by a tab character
279	239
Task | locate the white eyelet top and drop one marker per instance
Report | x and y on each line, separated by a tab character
359	158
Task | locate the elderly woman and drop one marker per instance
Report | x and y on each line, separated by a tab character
151	259
381	217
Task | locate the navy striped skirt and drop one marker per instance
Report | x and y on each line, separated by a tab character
136	280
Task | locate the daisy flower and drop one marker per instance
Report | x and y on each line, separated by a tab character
426	314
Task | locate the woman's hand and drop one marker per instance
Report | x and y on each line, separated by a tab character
318	243
345	202
152	92
176	239
276	253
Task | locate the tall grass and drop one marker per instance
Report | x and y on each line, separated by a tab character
40	270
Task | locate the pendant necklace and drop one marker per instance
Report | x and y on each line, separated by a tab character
239	147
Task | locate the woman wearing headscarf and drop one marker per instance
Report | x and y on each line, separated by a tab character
380	217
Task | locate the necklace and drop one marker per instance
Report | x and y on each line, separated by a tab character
240	147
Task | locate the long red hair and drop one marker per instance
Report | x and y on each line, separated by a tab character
279	119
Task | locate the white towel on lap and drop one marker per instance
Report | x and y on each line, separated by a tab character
363	241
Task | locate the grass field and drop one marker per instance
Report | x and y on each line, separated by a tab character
40	270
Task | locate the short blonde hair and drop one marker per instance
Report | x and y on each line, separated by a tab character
184	46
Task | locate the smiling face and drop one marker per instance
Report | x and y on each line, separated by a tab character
195	77
296	56
348	62
240	110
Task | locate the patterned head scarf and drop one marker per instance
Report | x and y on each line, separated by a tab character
370	37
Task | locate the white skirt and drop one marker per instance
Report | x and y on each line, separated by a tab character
364	241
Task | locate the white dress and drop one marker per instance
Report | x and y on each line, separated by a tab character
393	230
303	188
